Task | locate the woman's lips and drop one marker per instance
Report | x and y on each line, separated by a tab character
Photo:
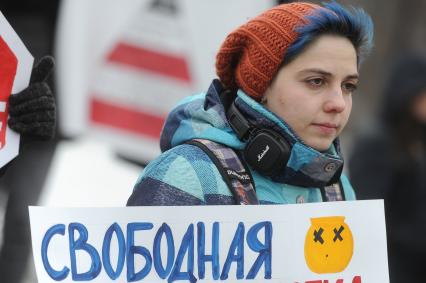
326	128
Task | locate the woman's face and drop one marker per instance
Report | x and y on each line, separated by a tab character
313	93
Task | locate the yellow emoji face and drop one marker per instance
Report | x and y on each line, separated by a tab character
328	245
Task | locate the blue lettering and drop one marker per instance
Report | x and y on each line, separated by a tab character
202	257
132	250
54	274
81	244
158	264
235	253
165	263
264	250
186	245
106	251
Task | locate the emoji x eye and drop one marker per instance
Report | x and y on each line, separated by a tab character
337	234
317	236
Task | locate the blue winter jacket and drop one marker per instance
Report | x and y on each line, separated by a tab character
185	175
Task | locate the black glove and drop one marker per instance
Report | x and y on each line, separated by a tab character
32	112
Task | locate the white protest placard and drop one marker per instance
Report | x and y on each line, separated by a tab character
306	243
15	71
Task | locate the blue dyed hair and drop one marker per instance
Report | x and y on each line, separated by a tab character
355	25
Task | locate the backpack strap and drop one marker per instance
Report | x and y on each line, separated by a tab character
233	170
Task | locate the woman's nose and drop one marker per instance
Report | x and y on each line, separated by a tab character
335	101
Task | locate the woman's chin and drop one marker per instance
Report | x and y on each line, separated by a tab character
320	145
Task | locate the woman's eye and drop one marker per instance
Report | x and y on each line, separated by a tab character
316	82
349	87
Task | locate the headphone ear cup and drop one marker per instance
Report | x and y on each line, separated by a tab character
267	153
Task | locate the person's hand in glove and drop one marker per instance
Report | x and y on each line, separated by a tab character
32	112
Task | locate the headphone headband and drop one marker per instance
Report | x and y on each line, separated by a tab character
238	122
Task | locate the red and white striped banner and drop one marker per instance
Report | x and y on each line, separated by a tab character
165	53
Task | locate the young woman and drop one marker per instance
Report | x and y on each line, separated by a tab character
284	95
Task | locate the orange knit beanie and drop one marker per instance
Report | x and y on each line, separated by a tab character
250	56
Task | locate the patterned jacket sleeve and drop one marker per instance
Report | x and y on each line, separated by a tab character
184	175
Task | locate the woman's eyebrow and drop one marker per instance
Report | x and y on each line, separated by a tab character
316	71
325	73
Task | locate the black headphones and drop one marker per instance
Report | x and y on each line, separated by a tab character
267	152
